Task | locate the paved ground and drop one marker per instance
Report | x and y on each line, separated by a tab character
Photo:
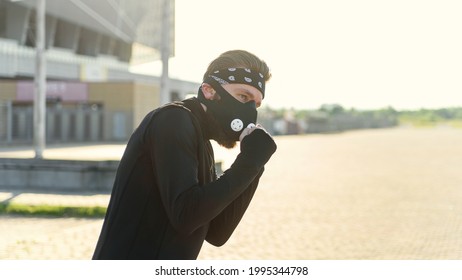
376	194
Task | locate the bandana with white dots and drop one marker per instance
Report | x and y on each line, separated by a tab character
240	76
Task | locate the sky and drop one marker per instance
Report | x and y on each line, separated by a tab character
360	54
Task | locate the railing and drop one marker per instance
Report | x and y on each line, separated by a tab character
6	119
81	124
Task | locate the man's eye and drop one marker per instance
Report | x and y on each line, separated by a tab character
244	98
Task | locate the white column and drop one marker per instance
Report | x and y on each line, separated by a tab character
165	53
40	83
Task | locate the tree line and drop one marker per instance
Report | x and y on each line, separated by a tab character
335	118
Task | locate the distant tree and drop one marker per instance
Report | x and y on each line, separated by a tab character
332	109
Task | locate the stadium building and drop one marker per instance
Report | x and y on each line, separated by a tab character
90	45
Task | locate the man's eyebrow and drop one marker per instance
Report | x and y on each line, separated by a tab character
247	91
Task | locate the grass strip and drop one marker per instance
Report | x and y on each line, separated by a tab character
52	210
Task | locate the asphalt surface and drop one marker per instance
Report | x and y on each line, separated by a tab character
374	194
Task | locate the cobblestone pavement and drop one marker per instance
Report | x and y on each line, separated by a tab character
375	194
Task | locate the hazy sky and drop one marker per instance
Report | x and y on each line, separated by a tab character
364	54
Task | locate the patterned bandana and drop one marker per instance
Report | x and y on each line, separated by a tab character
240	76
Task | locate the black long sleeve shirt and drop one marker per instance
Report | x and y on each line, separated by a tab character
166	199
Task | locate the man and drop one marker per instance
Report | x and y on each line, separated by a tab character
166	199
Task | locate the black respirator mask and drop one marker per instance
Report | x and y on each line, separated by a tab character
231	114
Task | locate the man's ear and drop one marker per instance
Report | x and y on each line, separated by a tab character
208	91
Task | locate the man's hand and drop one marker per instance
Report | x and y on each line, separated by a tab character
257	145
249	129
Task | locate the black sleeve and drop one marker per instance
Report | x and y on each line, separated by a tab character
226	222
256	149
173	141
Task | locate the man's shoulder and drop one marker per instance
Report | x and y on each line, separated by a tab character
170	119
173	112
169	110
173	106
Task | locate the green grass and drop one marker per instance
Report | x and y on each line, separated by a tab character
456	123
51	210
422	123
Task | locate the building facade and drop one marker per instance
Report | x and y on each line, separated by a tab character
91	94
